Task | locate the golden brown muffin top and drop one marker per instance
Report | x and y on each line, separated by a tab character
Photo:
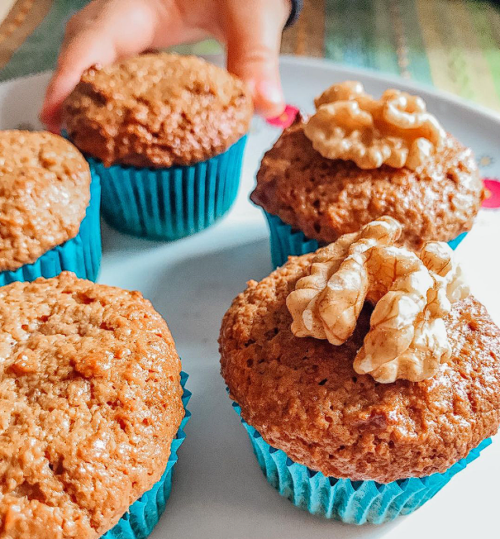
90	400
44	194
326	198
157	110
304	397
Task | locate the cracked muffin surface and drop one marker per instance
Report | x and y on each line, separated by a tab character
157	110
44	194
90	400
304	397
325	198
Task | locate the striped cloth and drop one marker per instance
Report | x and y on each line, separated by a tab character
452	44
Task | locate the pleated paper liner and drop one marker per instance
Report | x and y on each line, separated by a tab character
286	241
170	203
81	254
352	502
145	513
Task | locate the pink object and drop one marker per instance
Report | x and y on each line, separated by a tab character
285	119
492	199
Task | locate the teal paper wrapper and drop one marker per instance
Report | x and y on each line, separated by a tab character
352	502
285	241
81	254
145	513
170	203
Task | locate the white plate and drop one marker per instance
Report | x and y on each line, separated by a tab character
219	491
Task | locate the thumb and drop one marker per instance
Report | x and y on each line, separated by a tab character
253	36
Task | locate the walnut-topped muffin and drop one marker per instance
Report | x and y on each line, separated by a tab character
358	158
90	403
157	110
44	194
364	362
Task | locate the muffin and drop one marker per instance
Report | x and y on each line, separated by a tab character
166	134
358	158
366	375
91	412
49	209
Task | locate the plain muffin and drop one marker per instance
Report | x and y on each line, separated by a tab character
44	194
304	397
157	110
90	402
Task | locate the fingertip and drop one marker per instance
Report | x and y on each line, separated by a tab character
60	86
268	99
76	56
51	119
50	114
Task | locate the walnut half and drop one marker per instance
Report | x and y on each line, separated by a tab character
411	294
396	129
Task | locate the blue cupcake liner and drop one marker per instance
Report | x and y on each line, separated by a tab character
81	254
145	513
286	241
170	203
352	502
457	241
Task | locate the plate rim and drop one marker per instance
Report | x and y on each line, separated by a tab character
290	60
408	84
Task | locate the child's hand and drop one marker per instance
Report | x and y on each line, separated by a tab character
108	30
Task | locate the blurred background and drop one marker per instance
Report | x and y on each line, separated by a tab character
451	44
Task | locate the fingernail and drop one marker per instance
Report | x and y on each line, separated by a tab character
271	91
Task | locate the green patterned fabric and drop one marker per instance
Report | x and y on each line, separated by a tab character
39	52
377	34
453	44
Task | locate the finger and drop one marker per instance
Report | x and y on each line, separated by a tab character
84	51
253	44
